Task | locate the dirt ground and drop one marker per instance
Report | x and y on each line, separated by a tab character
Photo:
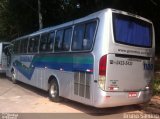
28	101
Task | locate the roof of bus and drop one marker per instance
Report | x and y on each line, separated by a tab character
90	16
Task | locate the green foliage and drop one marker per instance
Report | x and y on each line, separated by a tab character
4	25
156	81
156	87
19	17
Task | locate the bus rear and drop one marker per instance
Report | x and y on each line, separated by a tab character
3	57
127	69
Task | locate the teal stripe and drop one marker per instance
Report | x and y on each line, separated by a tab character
75	60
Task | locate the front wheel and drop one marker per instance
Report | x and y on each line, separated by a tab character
54	91
14	77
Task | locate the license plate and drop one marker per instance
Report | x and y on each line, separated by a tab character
132	94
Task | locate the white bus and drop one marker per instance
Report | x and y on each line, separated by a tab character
105	59
3	57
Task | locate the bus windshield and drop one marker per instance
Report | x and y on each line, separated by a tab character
132	31
4	46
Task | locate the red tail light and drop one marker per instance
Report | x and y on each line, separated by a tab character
102	72
102	65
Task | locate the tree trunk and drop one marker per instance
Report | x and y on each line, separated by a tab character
40	15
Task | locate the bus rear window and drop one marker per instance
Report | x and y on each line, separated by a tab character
132	31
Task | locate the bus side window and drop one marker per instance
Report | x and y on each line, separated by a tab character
58	40
67	39
43	42
30	48
24	44
16	47
33	44
51	41
78	36
12	46
89	35
83	36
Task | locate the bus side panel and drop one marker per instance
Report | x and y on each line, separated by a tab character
22	67
65	80
101	48
83	78
36	71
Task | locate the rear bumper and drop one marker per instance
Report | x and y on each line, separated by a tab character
113	99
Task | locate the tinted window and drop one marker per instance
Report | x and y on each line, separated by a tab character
24	44
16	46
33	44
78	36
83	36
132	31
46	42
89	35
58	40
67	39
43	42
51	41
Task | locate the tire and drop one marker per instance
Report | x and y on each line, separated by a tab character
54	91
13	78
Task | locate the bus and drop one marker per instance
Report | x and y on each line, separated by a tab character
8	52
105	59
3	57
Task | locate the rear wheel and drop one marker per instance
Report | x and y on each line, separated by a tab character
54	91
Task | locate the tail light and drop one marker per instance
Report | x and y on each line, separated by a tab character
102	72
149	86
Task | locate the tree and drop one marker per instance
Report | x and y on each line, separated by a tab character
4	20
17	17
20	17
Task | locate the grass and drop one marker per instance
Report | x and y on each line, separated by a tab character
156	84
157	66
156	87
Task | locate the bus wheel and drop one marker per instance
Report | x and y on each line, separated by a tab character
14	77
54	91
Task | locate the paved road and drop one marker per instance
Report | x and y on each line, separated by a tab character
22	98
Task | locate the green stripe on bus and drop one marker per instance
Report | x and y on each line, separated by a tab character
82	60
